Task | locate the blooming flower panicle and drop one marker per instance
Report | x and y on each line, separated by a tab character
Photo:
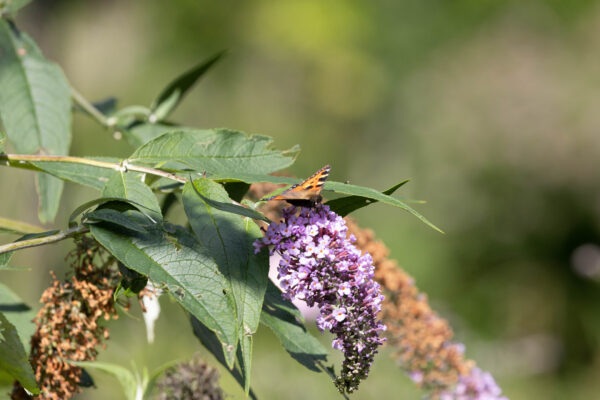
320	265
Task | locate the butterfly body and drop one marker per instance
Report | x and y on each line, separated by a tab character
307	193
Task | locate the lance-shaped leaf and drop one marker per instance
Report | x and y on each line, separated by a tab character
174	260
94	176
231	207
279	315
19	227
211	343
218	151
337	187
13	358
172	95
35	107
129	185
115	217
229	238
2	142
345	205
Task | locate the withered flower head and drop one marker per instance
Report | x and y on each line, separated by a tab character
192	380
68	327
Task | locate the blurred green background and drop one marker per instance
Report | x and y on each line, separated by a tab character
489	107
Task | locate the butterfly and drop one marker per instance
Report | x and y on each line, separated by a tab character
307	193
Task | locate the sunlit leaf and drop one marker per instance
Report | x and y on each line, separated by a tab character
18	227
88	175
35	107
172	95
175	261
229	238
218	151
337	187
345	205
129	185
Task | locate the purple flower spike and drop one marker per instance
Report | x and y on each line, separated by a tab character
321	266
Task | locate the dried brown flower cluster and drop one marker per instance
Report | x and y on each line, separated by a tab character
68	324
423	340
193	380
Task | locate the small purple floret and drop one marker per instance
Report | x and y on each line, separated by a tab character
320	265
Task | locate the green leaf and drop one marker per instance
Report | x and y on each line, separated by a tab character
172	95
332	186
103	200
230	238
49	191
275	300
114	217
230	207
126	378
294	337
129	185
13	358
213	151
88	175
211	343
369	193
236	190
19	227
18	313
345	205
35	106
2	140
10	7
173	259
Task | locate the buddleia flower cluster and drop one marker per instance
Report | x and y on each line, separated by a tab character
321	266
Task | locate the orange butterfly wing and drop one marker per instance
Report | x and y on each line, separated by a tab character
305	193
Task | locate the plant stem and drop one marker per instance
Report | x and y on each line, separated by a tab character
89	108
23	244
17	160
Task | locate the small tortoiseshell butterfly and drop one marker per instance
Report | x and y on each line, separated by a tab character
307	193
